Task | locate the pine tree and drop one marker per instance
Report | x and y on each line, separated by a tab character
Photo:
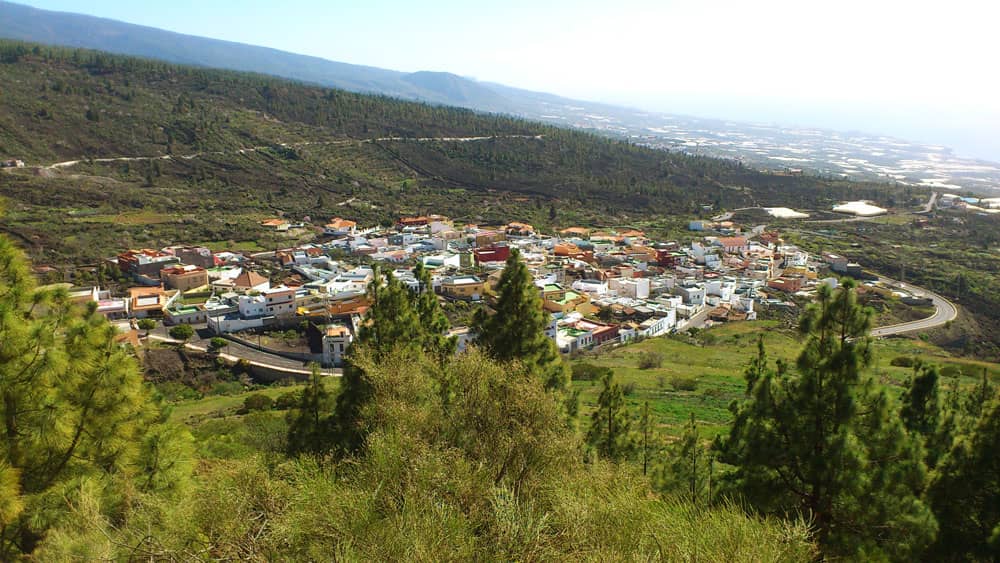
433	321
391	325
72	405
921	411
980	395
517	329
309	424
610	432
965	493
684	470
820	441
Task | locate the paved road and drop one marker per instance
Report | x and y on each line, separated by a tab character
944	312
235	351
930	204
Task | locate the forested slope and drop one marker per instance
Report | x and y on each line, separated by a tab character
216	150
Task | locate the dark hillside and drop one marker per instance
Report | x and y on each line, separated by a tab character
169	154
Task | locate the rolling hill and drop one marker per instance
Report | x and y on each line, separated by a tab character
853	155
124	152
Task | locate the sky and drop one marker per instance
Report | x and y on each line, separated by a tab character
921	70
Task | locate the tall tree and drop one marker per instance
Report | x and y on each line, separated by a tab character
517	329
980	395
965	493
309	426
392	324
610	432
433	321
72	405
684	470
920	411
820	441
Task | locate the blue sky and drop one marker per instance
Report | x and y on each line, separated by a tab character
917	69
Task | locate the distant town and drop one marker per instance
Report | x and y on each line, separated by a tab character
601	287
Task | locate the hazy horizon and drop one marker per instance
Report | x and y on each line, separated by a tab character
915	71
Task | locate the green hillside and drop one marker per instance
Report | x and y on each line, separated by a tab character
212	152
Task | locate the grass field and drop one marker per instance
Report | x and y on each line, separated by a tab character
700	375
217	406
715	360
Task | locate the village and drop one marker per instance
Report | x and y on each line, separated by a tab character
602	287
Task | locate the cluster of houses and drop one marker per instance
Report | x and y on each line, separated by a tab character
986	205
600	286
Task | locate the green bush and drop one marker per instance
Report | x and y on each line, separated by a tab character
287	401
951	370
257	402
226	388
217	343
903	361
181	332
650	360
173	391
584	371
683	383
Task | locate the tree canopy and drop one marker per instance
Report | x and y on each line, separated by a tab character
820	439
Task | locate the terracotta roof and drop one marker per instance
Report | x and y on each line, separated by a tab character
729	242
338	223
249	279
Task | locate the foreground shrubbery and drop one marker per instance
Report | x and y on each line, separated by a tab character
466	460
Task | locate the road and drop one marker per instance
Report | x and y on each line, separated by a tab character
235	352
69	163
944	312
930	203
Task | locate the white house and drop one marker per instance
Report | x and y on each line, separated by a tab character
636	288
595	288
336	340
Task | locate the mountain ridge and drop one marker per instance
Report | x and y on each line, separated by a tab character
26	23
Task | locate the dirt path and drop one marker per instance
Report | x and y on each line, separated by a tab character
71	163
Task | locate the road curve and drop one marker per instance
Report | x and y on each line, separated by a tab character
944	312
254	357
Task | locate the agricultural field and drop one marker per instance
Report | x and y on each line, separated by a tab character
704	374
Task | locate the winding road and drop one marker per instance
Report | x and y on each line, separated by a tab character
944	312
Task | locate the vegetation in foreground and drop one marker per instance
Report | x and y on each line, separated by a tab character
426	455
462	458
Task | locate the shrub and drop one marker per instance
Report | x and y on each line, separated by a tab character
217	343
226	388
175	391
951	370
146	324
288	400
650	360
257	402
713	392
584	371
181	332
902	361
683	383
628	389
